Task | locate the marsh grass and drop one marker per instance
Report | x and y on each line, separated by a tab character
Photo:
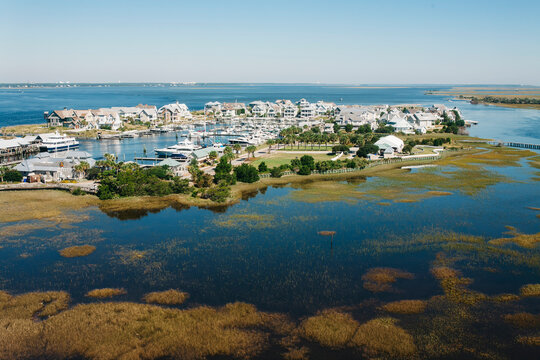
246	221
52	205
168	297
405	307
530	340
375	338
33	304
77	251
528	241
381	279
530	290
327	233
105	293
523	320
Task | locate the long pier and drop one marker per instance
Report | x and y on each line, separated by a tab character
516	145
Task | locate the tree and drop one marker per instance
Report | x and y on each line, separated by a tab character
348	128
82	168
270	142
246	173
223	172
237	148
304	170
336	128
308	161
251	150
12	176
263	167
213	155
276	172
340	148
367	149
228	153
3	170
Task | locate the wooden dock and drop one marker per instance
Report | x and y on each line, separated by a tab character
516	145
89	188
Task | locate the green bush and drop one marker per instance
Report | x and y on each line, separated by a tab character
307	161
340	148
276	172
263	167
13	176
246	173
363	151
304	170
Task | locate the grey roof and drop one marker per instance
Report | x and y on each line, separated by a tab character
170	162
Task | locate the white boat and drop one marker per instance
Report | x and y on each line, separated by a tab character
180	150
243	140
56	142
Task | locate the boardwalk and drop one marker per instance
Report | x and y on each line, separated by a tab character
89	187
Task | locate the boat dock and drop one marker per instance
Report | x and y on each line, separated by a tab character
516	145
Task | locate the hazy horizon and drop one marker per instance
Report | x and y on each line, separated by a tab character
387	42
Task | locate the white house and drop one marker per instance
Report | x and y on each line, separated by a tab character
290	111
426	120
212	107
106	118
309	111
390	141
357	116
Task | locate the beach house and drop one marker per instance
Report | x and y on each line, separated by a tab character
174	112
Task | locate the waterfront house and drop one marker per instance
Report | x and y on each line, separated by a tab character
308	112
177	168
174	112
56	166
64	118
290	111
424	119
303	103
259	110
356	116
148	115
14	150
390	141
230	110
106	119
323	108
213	107
401	125
202	154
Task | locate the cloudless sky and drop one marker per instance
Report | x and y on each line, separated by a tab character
336	41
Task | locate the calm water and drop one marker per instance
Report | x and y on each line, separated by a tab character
266	250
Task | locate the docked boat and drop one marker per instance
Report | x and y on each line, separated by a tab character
55	142
180	150
243	140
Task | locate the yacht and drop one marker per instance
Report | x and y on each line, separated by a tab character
56	142
180	150
243	140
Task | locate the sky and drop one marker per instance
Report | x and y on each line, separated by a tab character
293	41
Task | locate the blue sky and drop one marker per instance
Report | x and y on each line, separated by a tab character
375	42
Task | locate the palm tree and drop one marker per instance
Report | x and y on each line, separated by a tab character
237	148
82	168
228	153
270	142
3	171
251	150
212	156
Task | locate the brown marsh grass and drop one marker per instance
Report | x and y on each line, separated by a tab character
531	340
530	290
455	286
381	279
406	307
53	205
330	328
375	338
249	221
129	330
77	251
523	320
528	241
32	304
327	233
105	293
168	297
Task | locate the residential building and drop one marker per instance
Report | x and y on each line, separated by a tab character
174	112
390	141
56	166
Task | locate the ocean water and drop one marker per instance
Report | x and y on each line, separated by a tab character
266	250
26	106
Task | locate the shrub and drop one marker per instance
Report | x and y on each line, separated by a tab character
276	172
263	167
304	170
13	176
340	148
367	149
308	161
246	173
